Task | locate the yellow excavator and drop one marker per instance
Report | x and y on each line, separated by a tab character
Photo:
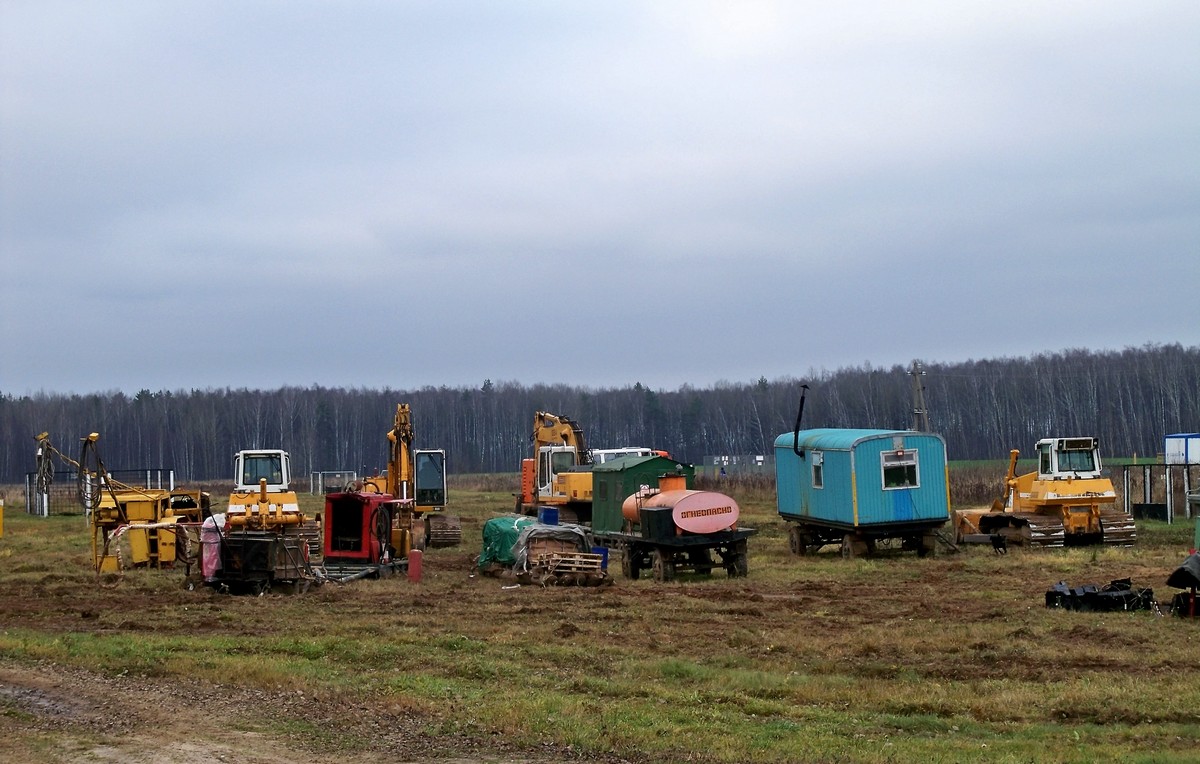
1068	501
416	479
559	473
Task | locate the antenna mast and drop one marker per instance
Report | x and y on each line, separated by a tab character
920	413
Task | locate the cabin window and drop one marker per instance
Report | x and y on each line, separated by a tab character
257	467
561	461
431	478
1076	459
1044	466
900	469
818	469
602	491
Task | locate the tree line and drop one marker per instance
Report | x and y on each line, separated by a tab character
1130	399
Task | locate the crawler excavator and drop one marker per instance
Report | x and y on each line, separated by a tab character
559	474
416	479
1066	502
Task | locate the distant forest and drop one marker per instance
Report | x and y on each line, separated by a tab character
1130	399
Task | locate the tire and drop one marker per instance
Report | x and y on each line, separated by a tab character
664	566
739	565
796	540
631	564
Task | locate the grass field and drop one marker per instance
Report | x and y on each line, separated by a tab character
945	659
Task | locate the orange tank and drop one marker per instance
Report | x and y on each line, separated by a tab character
692	511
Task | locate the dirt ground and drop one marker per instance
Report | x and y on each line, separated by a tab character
55	713
52	713
810	614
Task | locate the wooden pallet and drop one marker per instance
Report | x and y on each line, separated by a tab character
542	546
576	562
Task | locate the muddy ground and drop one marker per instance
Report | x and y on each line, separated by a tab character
808	614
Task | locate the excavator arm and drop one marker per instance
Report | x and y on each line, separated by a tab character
553	430
400	461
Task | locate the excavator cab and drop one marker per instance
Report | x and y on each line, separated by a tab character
553	460
430	467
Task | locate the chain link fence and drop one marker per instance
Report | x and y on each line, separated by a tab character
61	497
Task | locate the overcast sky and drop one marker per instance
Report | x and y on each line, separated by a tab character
394	194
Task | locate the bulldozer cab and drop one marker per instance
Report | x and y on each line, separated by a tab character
252	466
1061	458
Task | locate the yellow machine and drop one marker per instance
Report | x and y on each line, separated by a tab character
148	520
559	473
1066	502
262	497
266	540
416	481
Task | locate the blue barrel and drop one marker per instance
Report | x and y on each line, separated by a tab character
603	552
548	515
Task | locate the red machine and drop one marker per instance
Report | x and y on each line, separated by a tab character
360	535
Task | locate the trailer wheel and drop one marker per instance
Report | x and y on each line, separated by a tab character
739	565
795	541
631	564
802	541
664	566
853	546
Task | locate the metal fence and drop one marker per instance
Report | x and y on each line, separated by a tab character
736	464
330	481
62	498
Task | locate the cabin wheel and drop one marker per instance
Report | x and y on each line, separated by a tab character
853	546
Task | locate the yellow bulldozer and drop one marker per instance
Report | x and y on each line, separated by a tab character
1068	501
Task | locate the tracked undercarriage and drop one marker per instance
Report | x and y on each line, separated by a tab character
1117	529
442	531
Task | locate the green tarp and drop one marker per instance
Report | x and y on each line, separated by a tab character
499	535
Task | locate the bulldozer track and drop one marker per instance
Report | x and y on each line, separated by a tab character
1045	531
1118	527
1025	529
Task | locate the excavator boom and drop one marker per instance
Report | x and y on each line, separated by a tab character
553	430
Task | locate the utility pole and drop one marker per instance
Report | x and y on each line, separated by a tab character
920	413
